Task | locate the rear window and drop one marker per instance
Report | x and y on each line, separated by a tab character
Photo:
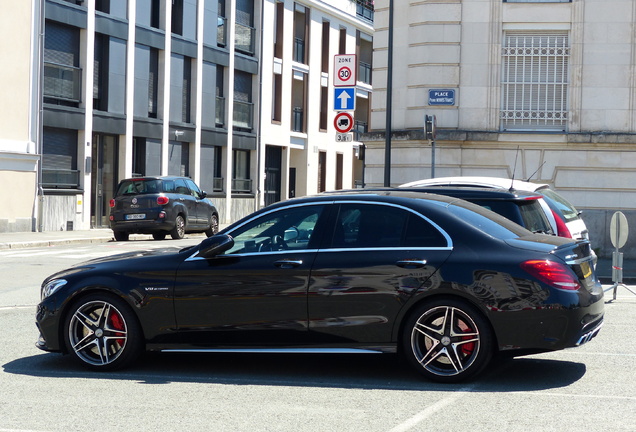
489	222
557	202
139	187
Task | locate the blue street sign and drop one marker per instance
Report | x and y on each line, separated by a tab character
441	97
344	99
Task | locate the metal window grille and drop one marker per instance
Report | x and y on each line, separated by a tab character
534	81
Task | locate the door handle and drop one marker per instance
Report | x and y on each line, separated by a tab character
287	264
411	263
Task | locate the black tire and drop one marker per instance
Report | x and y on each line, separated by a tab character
447	340
214	226
159	236
102	333
178	232
121	235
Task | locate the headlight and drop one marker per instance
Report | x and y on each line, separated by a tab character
51	287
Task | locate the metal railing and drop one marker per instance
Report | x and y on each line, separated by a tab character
297	120
365	73
60	178
241	185
244	38
359	127
299	50
221	31
364	9
62	82
220	111
217	184
243	116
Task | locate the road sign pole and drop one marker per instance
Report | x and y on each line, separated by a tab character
618	236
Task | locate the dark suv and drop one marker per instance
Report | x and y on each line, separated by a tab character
521	207
161	206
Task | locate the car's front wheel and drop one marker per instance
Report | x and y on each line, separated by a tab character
214	226
447	340
102	333
178	232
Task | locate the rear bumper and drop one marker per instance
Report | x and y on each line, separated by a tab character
143	226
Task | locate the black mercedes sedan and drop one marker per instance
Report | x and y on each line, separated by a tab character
443	281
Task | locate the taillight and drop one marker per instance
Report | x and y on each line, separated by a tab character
112	203
553	273
162	200
562	228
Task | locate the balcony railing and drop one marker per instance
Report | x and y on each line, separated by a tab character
244	38
365	73
62	82
220	111
297	120
60	178
243	116
241	185
364	9
299	50
221	31
359	127
217	184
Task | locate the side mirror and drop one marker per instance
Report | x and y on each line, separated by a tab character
291	234
203	194
215	245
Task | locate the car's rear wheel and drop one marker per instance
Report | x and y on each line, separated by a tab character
214	226
178	232
159	236
102	333
120	235
447	340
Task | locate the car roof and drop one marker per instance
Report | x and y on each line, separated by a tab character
155	178
491	182
473	192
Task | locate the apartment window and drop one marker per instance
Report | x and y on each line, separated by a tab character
535	81
146	157
115	8
277	102
299	101
177	17
325	47
245	32
179	158
148	13
301	34
243	115
109	74
324	108
278	30
211	165
181	88
146	101
365	8
339	170
220	97
241	182
62	74
364	51
221	25
59	159
322	171
342	41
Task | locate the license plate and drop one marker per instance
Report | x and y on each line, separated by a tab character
135	216
587	269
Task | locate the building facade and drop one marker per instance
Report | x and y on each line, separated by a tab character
223	91
535	89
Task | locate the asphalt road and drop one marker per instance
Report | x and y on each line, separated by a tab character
589	388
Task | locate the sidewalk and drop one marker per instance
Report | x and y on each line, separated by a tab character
50	238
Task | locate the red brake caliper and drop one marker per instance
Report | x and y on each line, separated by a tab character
468	348
118	324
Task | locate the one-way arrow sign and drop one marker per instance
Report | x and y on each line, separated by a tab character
344	99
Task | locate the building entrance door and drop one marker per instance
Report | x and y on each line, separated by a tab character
273	164
103	177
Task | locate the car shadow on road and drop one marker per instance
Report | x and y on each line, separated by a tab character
387	371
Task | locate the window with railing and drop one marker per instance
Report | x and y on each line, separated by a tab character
359	127
244	38
221	31
220	111
60	178
59	159
535	81
62	82
301	34
297	119
365	9
241	182
217	184
243	117
364	73
299	50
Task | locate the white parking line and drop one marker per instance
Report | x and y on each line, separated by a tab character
431	410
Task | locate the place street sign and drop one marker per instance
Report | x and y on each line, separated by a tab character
344	98
441	97
344	70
